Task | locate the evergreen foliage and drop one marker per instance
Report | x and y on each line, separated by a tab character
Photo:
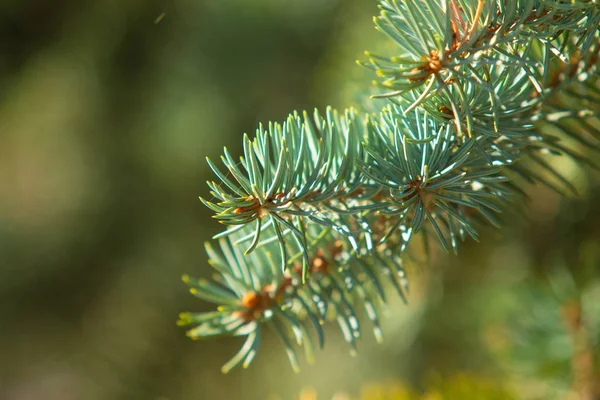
320	209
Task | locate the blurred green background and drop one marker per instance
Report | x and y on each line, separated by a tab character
107	111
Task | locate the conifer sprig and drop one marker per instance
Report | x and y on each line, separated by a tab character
252	292
431	176
290	174
319	210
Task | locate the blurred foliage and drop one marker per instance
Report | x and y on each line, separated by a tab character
546	331
459	386
107	109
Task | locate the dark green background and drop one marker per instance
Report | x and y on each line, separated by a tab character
107	111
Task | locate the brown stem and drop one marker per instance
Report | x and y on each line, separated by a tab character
584	385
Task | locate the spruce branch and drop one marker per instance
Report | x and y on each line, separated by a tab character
319	210
252	292
430	176
289	174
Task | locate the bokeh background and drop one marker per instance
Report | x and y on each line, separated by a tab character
108	109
